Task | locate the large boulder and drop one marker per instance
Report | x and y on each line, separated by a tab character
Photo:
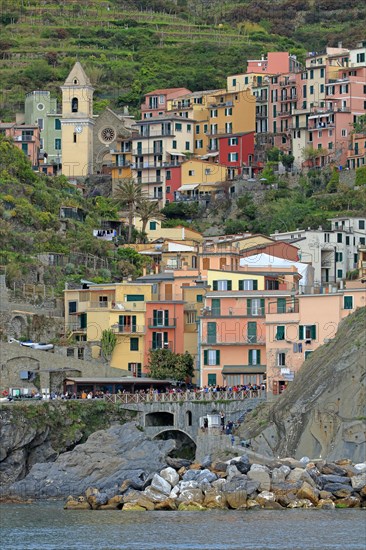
170	475
205	476
159	484
178	463
260	474
139	499
358	481
237	499
106	459
307	491
190	495
215	499
154	495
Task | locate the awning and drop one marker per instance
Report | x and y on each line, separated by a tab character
244	369
175	153
150	252
208	155
188	187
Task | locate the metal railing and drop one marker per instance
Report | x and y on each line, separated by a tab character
169	323
162	345
179	397
128	329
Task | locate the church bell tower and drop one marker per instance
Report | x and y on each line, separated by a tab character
77	124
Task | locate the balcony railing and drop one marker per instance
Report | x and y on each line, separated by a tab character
124	329
162	345
75	327
278	309
169	323
234	312
98	305
24	138
232	341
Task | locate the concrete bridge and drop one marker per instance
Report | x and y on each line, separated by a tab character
179	416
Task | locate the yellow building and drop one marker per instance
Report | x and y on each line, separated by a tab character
229	280
121	163
120	307
77	124
201	178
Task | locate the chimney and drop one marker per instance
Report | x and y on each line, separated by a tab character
183	233
339	44
144	271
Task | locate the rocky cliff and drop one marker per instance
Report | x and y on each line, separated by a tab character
322	413
40	432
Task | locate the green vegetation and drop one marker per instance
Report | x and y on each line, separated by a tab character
108	343
68	422
164	364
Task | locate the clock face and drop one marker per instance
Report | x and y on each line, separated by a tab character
78	129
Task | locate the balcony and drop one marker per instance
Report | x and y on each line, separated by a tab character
24	138
232	341
283	309
125	329
221	104
161	345
169	323
233	312
260	99
75	327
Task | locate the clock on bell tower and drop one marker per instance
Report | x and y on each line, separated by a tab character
77	124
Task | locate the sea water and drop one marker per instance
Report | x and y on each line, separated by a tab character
46	525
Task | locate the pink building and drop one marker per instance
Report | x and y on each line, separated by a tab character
276	63
305	323
156	102
26	137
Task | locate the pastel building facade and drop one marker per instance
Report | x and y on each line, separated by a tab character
305	323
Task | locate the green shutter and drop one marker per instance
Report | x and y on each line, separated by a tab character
249	306
83	320
214	285
211	333
199	298
166	317
217	357
154	340
301	332
155	318
133	325
165	337
250	359
262	306
255	284
241	285
258	357
252	331
205	357
120	321
211	379
280	333
313	332
281	305
229	285
348	302
215	306
135	298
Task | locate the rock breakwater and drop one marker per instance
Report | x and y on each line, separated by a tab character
237	484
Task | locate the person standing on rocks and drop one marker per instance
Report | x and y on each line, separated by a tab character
222	417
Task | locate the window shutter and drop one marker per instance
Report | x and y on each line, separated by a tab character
166	318
241	285
165	337
133	323
214	285
249	306
229	285
262	306
120	321
313	332
205	357
217	357
250	356
252	331
258	357
301	332
255	284
280	334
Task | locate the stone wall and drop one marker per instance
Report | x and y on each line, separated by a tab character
51	368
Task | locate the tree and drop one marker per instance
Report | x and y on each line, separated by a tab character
361	175
148	210
129	194
359	127
332	186
310	154
108	343
164	364
287	161
273	155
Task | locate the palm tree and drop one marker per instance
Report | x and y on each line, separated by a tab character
128	195
148	210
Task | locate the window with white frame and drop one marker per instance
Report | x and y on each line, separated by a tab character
344	132
191	172
281	359
199	143
213	113
233	157
212	357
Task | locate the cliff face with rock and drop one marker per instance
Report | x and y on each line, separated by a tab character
322	413
40	432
